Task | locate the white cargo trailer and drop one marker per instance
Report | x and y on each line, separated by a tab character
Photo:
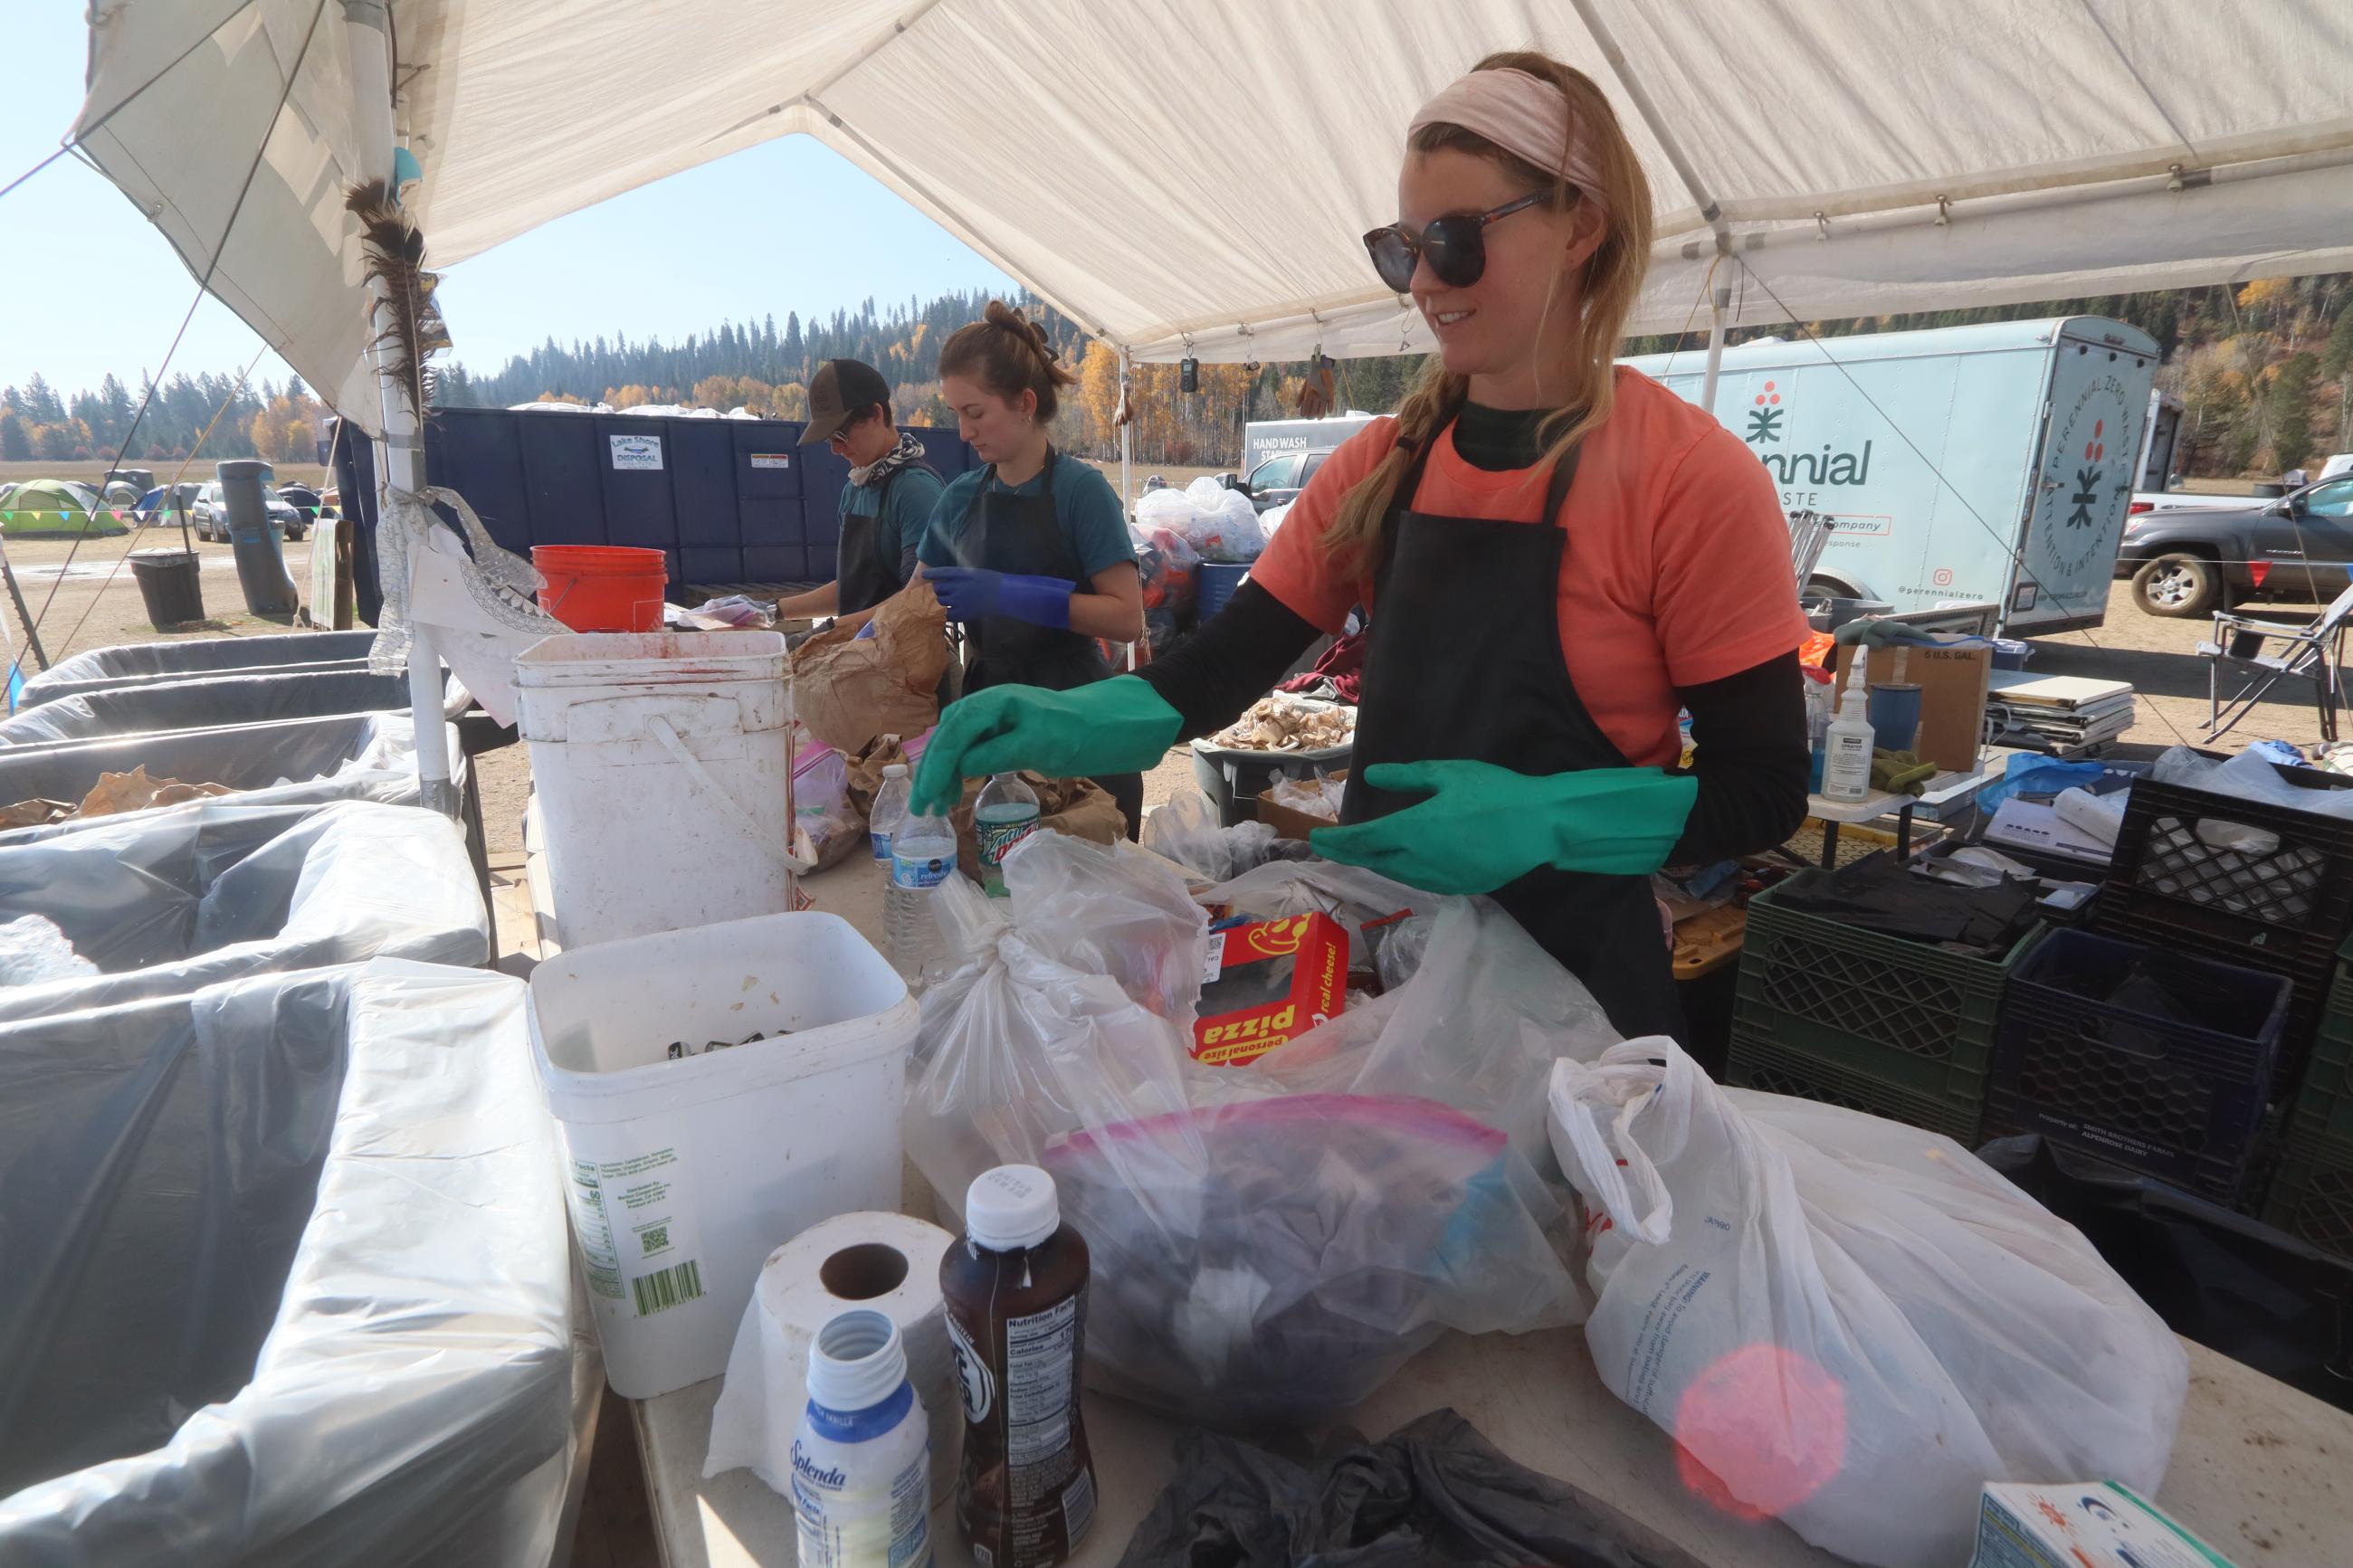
1966	464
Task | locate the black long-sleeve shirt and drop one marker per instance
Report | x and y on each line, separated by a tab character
1748	729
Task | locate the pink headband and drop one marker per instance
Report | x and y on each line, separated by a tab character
1525	116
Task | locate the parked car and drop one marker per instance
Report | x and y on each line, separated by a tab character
2191	561
303	499
1278	480
209	515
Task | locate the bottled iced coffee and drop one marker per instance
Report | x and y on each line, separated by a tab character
1016	1288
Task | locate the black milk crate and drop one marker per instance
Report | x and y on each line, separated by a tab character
2324	1105
2132	917
2312	1192
1757	1061
2179	1098
2293	901
1909	1015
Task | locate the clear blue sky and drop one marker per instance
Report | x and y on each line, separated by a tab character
728	241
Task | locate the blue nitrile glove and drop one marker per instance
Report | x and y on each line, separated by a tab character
1871	631
1115	726
974	592
864	632
1483	825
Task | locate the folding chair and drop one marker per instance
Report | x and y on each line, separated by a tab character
2310	650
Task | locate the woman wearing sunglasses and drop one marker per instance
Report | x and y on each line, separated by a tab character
1558	555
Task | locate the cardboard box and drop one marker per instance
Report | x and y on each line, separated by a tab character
1952	682
2081	1524
1267	981
1288	823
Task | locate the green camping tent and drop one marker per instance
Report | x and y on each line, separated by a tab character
59	509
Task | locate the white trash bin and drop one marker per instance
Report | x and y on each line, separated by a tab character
684	1173
660	763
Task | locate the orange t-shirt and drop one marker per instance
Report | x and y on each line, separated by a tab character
1676	572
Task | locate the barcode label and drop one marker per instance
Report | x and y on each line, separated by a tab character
671	1286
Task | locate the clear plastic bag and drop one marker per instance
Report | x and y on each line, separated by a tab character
1225	525
1269	1243
827	829
1186	830
1846	1322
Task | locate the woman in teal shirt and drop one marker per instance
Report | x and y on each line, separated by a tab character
1030	554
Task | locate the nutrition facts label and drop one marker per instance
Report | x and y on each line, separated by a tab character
1041	1372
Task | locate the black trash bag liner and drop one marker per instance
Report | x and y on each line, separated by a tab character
208	703
1434	1495
143	663
1879	895
2233	1284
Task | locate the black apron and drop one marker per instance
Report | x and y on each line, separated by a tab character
1022	535
1464	662
864	579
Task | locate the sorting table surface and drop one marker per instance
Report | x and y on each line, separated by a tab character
2264	1474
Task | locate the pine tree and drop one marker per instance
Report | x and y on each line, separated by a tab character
2336	358
16	447
2290	406
41	405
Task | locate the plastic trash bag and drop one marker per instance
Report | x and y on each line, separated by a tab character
292	1281
1846	1322
162	902
1186	829
827	828
1225	523
1269	1243
1435	1494
1172	511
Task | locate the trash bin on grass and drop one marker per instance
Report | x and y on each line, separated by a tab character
171	586
291	1279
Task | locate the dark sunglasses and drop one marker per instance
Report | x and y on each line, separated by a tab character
1455	246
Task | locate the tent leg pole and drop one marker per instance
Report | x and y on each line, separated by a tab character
402	450
1126	443
1723	301
16	595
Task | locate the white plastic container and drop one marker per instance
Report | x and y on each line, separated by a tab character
684	1173
661	764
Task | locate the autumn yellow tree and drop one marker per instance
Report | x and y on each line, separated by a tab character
790	402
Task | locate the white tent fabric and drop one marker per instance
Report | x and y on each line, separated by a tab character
1193	175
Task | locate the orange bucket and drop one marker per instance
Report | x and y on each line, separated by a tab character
602	587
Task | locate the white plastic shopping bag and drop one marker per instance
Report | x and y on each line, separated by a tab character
1847	1322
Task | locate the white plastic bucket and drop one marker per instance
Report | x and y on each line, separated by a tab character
685	1174
660	763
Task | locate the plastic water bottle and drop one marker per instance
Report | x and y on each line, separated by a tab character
890	810
1005	814
862	1460
923	856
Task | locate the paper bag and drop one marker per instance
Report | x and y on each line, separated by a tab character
848	689
1079	807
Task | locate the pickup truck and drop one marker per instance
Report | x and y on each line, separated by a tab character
2190	561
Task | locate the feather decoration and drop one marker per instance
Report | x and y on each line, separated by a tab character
395	251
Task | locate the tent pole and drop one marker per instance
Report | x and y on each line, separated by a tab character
1722	299
400	453
1126	443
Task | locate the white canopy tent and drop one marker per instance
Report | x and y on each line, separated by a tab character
1192	175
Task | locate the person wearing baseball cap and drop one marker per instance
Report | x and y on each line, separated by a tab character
884	506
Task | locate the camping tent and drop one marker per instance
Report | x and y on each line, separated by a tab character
1831	157
58	508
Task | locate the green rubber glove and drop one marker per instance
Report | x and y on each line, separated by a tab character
1117	726
1483	825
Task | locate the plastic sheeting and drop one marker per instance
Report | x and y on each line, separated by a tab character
144	663
1861	158
208	703
344	757
167	901
289	1279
